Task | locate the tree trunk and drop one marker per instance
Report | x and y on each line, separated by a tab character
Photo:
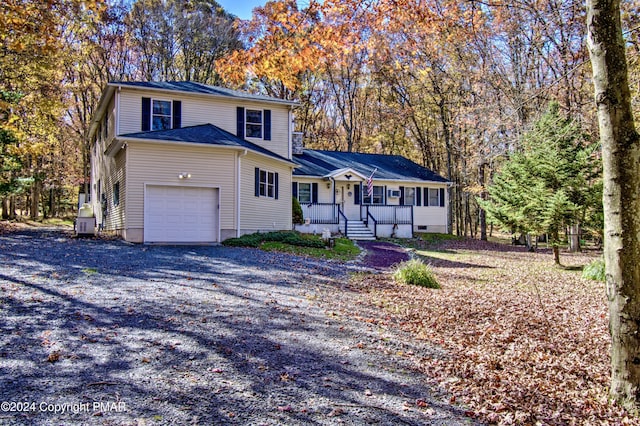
574	238
35	199
12	207
621	196
483	196
5	208
555	243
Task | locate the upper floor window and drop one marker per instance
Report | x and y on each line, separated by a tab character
161	115
253	123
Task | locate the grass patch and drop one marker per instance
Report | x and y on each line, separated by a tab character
297	243
594	271
422	240
415	272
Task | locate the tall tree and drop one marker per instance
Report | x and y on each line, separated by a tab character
546	186
621	198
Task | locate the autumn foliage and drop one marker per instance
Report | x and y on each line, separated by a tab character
518	341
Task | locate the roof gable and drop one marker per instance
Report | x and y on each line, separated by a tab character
389	167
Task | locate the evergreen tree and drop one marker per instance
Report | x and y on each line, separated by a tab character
548	185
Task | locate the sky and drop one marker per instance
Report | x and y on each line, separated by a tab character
241	8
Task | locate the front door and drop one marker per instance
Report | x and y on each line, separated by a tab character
345	197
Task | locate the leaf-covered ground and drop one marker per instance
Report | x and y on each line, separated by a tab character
524	341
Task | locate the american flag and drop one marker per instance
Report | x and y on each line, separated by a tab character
370	183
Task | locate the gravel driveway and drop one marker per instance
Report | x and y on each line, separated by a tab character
105	332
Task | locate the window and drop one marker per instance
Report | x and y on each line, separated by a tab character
304	193
409	196
161	115
267	184
434	197
377	198
253	123
116	193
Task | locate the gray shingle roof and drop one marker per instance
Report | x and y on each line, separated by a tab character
199	88
207	134
390	167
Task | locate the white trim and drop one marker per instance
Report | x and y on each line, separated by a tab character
117	113
239	191
246	123
117	142
174	185
345	171
151	114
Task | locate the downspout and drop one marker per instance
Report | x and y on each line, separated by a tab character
291	119
117	128
238	191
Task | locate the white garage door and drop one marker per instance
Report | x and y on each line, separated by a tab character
180	215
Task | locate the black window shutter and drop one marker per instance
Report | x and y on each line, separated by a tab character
294	189
146	114
426	197
356	194
257	189
240	122
402	195
177	114
314	192
418	196
275	181
267	124
384	196
441	197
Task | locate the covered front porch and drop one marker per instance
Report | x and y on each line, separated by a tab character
380	220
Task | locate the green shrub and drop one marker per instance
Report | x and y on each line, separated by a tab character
296	212
287	237
415	272
594	271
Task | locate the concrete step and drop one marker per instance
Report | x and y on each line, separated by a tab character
357	230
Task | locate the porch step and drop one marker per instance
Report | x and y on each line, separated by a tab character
357	230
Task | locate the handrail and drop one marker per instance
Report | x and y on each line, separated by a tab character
346	221
375	223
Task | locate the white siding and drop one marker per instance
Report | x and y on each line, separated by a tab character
160	164
263	213
197	110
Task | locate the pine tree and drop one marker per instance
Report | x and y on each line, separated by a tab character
547	186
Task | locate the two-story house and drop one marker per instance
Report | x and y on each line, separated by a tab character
183	162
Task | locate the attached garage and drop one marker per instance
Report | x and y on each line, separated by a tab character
181	214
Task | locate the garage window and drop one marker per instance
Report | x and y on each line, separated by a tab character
266	183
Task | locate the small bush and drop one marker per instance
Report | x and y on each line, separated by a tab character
594	271
296	212
415	272
287	237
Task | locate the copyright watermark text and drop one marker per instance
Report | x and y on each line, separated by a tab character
62	408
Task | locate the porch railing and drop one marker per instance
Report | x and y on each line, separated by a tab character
388	215
321	213
345	220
